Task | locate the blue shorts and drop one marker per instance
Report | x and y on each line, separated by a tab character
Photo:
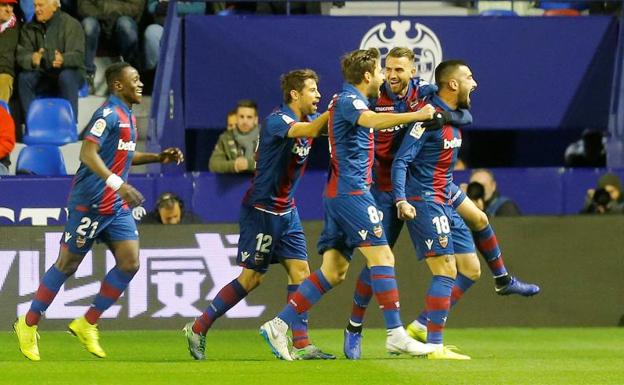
82	229
438	230
267	238
391	222
351	221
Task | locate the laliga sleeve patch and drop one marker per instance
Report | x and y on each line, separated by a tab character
288	119
417	130
359	105
98	127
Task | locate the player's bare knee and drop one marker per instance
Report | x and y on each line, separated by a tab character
67	267
336	277
443	265
68	263
468	265
298	273
129	266
472	272
250	279
448	271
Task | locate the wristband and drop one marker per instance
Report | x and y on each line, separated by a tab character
114	181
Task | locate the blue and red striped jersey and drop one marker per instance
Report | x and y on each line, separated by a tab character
280	163
423	166
387	141
113	128
351	146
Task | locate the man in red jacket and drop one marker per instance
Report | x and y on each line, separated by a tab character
7	140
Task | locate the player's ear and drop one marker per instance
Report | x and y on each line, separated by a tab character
453	84
294	95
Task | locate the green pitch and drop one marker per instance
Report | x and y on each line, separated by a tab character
585	356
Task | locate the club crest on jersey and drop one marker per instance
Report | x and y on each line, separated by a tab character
98	127
443	239
429	243
244	256
417	130
363	234
419	38
378	231
80	241
258	258
126	146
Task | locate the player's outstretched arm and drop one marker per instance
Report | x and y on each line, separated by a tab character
90	157
458	118
383	120
309	129
169	155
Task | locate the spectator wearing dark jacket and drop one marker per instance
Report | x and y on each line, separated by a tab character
50	53
9	33
117	22
495	204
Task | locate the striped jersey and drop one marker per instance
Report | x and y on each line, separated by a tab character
113	128
423	166
280	163
351	146
387	141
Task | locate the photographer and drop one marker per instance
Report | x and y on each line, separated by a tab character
607	198
169	210
476	193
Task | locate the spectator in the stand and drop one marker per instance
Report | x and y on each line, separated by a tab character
117	21
170	210
9	33
607	198
50	53
153	32
7	140
495	205
589	151
235	150
231	120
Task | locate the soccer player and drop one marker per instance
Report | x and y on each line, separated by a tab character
270	228
422	172
99	209
401	92
351	216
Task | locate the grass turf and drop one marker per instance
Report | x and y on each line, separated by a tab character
500	356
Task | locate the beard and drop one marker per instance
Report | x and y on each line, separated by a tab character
400	86
463	99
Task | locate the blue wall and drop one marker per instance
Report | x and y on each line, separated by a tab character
533	73
216	198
